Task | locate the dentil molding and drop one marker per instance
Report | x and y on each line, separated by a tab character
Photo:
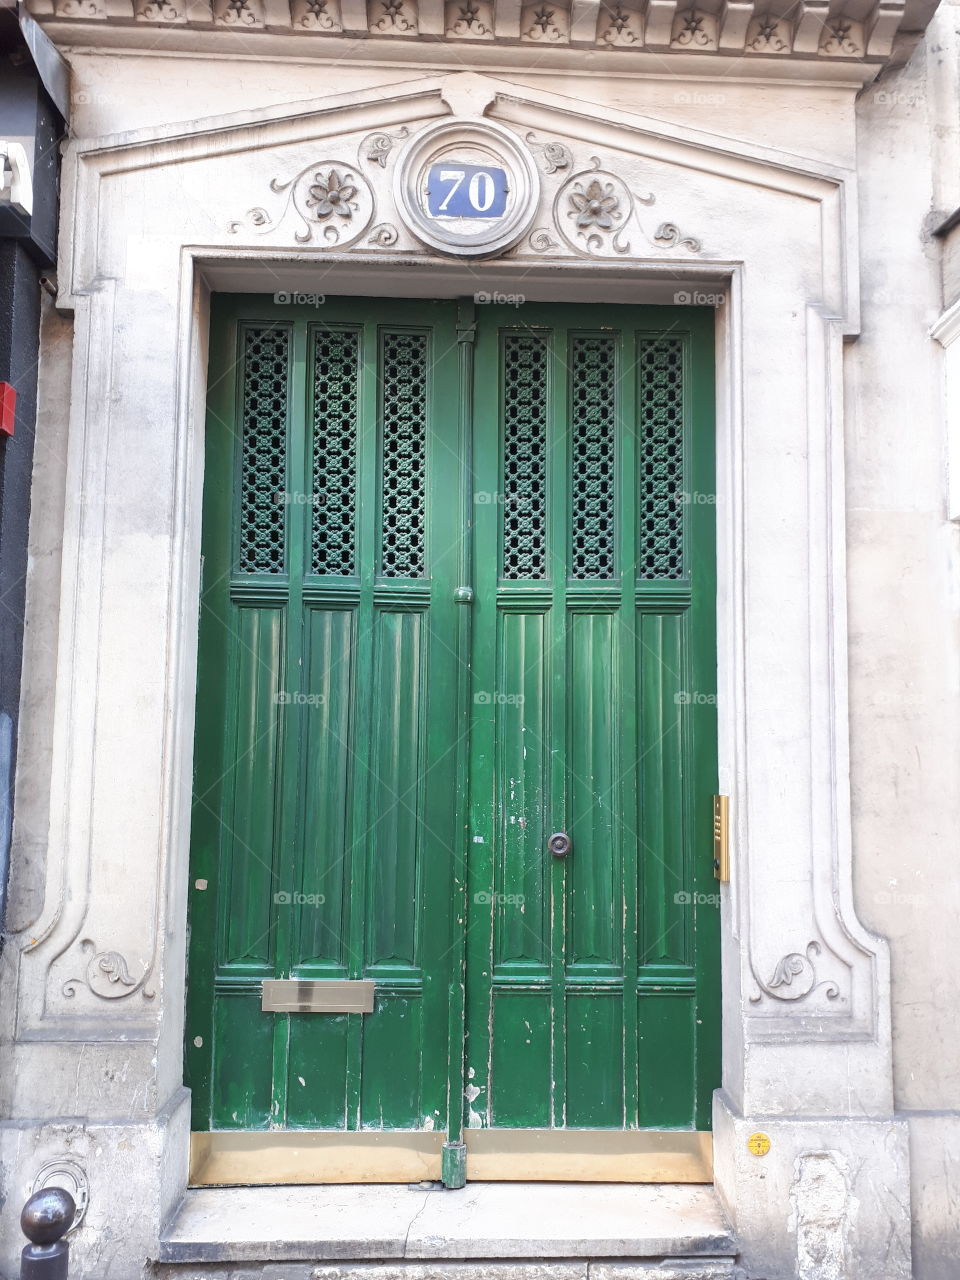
811	30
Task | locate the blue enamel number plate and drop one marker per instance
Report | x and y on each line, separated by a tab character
466	191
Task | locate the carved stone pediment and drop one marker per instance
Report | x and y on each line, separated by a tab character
589	205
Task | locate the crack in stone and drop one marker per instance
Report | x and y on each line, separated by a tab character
406	1238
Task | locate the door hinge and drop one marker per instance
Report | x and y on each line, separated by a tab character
721	838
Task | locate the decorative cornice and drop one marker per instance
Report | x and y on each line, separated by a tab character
809	32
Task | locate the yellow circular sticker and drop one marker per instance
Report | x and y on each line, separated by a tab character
758	1144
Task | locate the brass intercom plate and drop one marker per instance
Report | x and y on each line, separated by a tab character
721	838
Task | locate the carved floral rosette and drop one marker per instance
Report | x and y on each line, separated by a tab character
331	198
597	214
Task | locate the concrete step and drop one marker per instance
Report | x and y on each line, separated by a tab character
487	1231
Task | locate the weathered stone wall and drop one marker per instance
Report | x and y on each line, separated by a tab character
904	561
835	1180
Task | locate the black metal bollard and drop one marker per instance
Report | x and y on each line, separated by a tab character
45	1220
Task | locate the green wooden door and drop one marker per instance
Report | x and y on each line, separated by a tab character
458	596
592	992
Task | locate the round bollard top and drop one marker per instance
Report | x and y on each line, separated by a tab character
47	1215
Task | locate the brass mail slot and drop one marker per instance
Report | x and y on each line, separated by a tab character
317	995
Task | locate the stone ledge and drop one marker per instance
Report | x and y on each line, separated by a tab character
495	1220
676	1269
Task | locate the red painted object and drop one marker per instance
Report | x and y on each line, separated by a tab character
8	408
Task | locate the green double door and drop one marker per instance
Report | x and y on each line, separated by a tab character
456	731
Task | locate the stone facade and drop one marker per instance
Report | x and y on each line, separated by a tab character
800	188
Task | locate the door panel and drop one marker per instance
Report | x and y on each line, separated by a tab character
594	672
328	746
325	792
595	876
386	740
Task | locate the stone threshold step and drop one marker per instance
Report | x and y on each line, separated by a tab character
667	1269
484	1220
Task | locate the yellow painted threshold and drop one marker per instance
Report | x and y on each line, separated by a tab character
243	1158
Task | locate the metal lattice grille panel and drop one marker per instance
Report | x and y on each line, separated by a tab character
263	471
593	421
661	458
524	457
336	382
403	377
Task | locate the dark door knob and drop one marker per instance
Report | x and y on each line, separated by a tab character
560	844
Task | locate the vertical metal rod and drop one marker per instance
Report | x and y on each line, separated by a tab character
454	1162
556	674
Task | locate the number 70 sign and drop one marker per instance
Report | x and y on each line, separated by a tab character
466	191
